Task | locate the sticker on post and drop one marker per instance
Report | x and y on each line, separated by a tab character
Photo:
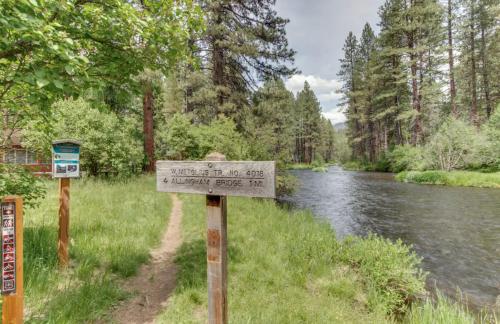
8	223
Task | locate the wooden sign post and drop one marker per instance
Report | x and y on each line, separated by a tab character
65	165
12	259
217	178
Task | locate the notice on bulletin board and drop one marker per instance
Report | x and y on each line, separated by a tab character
66	161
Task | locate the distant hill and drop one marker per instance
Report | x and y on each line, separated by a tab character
340	126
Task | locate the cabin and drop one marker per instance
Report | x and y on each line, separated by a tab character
15	153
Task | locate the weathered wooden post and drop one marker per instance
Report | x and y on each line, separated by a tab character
217	253
65	165
217	178
12	260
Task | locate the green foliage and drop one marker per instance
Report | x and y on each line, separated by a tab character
407	157
179	140
183	140
54	48
391	270
453	145
221	136
286	184
15	180
490	153
453	178
108	142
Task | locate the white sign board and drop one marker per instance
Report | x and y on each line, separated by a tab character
222	178
65	160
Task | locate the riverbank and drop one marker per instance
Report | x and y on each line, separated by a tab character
113	226
286	267
313	167
452	178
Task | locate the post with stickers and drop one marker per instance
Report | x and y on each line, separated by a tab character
65	165
12	259
217	178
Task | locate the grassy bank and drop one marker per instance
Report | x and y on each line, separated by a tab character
314	167
112	228
453	178
284	267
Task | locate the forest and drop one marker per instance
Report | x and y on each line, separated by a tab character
140	81
422	94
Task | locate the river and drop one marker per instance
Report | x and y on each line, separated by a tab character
455	230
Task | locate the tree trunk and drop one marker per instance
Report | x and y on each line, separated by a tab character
473	110
149	143
453	90
417	127
486	81
218	62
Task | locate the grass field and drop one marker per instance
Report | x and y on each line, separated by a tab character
112	228
284	267
453	178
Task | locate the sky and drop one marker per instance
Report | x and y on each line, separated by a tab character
317	31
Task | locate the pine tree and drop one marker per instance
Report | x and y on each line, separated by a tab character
307	125
245	39
270	124
349	77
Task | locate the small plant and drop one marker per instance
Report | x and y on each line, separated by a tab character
15	180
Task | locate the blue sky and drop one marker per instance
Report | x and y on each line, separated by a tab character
317	31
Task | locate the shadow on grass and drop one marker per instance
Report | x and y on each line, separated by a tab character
192	261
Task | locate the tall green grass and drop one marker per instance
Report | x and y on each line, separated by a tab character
452	178
284	267
443	311
112	228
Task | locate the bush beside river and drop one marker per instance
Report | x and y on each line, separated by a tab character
452	178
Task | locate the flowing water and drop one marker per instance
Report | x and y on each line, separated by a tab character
455	230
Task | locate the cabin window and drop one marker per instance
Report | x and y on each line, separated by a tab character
31	157
10	156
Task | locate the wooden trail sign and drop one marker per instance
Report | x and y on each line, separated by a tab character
217	178
11	212
65	165
232	178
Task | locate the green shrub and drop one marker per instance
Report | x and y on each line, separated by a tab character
183	140
286	184
490	151
391	270
109	144
453	178
406	157
15	180
454	145
427	177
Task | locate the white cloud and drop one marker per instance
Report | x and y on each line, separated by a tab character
326	92
325	89
336	116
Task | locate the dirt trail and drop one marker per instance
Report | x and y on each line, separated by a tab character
155	281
